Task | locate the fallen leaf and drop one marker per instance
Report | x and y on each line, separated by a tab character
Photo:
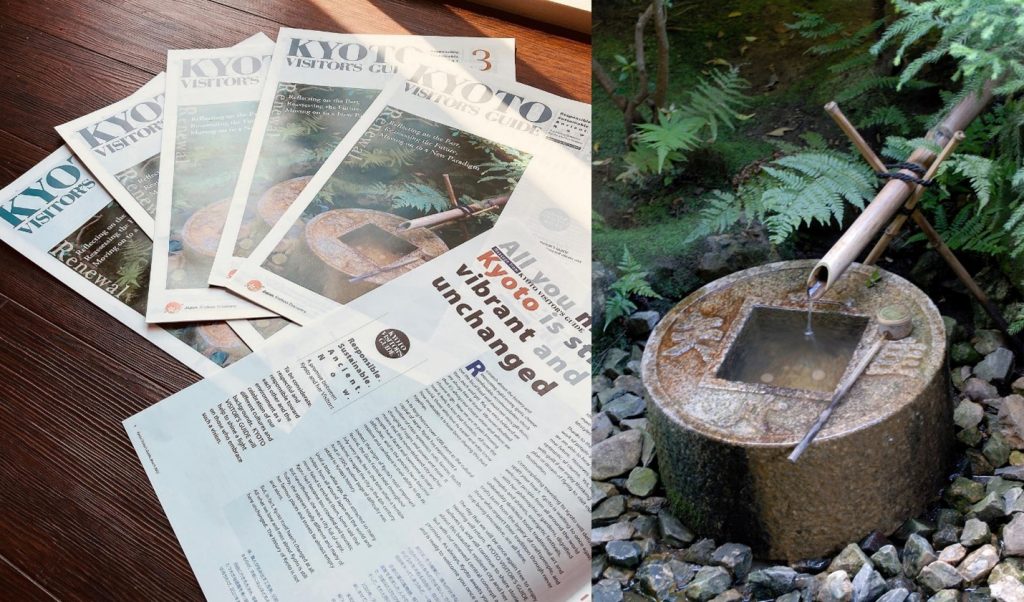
719	61
734	13
743	49
779	131
750	38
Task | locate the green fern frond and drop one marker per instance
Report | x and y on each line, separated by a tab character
713	103
420	197
811	187
889	117
970	230
717	100
632	282
675	132
813	26
978	170
981	35
899	148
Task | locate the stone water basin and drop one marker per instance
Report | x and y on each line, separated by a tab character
733	385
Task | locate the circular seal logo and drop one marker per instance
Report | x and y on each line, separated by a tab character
392	343
254	285
554	219
173	307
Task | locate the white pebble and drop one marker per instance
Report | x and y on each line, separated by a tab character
818	375
767	377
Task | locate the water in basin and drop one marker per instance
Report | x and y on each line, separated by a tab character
774	349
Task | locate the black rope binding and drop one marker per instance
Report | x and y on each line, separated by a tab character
909	166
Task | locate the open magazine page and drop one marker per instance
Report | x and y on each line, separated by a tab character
430	165
59	217
120	144
426	442
211	100
318	85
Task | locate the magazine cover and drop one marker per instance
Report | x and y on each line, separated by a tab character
318	85
428	441
431	165
211	100
58	216
120	144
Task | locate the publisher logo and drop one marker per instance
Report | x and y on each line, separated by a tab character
392	343
173	307
554	219
254	285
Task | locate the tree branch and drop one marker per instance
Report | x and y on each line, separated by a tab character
607	84
642	91
661	35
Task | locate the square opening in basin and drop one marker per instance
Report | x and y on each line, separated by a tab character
377	244
773	349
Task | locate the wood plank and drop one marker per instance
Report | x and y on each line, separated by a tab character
82	515
140	33
45	81
47	297
18	157
17	585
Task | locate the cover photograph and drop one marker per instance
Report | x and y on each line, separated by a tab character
431	165
58	216
211	100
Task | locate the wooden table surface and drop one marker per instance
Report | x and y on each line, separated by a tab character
78	518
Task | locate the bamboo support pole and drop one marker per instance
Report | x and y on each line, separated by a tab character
851	132
817	287
451	192
880	211
965	277
454	201
910	206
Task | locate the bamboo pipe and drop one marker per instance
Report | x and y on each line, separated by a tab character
890	198
443	217
894	228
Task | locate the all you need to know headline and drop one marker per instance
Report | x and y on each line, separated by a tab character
495	277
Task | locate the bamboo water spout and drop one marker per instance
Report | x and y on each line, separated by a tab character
893	195
460	212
